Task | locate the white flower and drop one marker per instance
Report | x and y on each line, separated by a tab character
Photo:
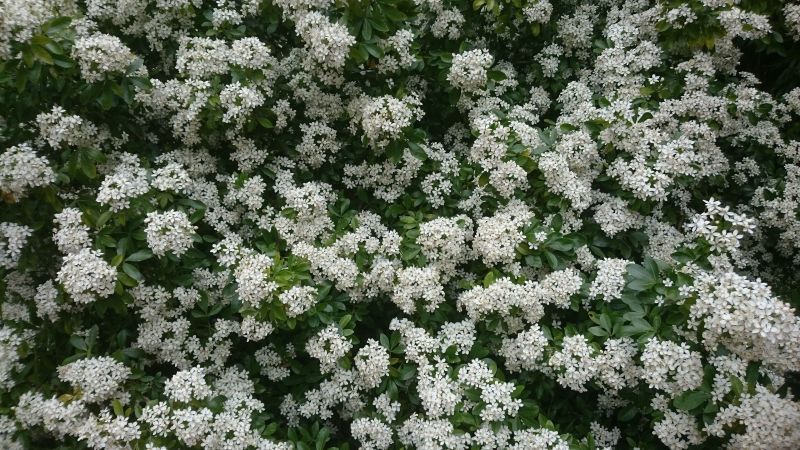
671	367
21	169
169	231
238	102
328	346
128	181
610	278
85	276
100	54
298	299
524	351
469	70
384	118
414	284
327	43
250	275
71	234
371	433
372	364
497	237
574	363
13	238
187	385
98	378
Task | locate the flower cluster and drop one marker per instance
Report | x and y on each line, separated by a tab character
423	224
169	231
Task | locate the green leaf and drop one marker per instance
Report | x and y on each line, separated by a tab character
359	53
374	50
597	331
640	273
534	261
322	438
270	429
264	122
627	414
103	219
557	222
488	279
366	30
78	342
42	54
88	168
552	260
126	280
132	271
641	285
417	151
691	400
394	14
496	75
561	245
117	260
140	255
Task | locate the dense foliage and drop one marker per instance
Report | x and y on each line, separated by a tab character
311	224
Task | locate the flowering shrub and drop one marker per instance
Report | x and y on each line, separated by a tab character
431	224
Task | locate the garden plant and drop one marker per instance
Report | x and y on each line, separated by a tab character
399	224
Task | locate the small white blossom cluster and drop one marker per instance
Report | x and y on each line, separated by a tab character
187	385
722	228
21	169
71	234
328	346
678	430
101	54
671	367
415	283
497	396
228	426
525	351
251	278
574	363
505	297
328	43
610	279
372	364
298	299
496	237
445	242
13	238
86	276
384	118
744	316
387	180
9	363
75	419
58	129
792	17
127	181
97	378
319	140
169	231
238	102
424	224
764	421
371	433
469	69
